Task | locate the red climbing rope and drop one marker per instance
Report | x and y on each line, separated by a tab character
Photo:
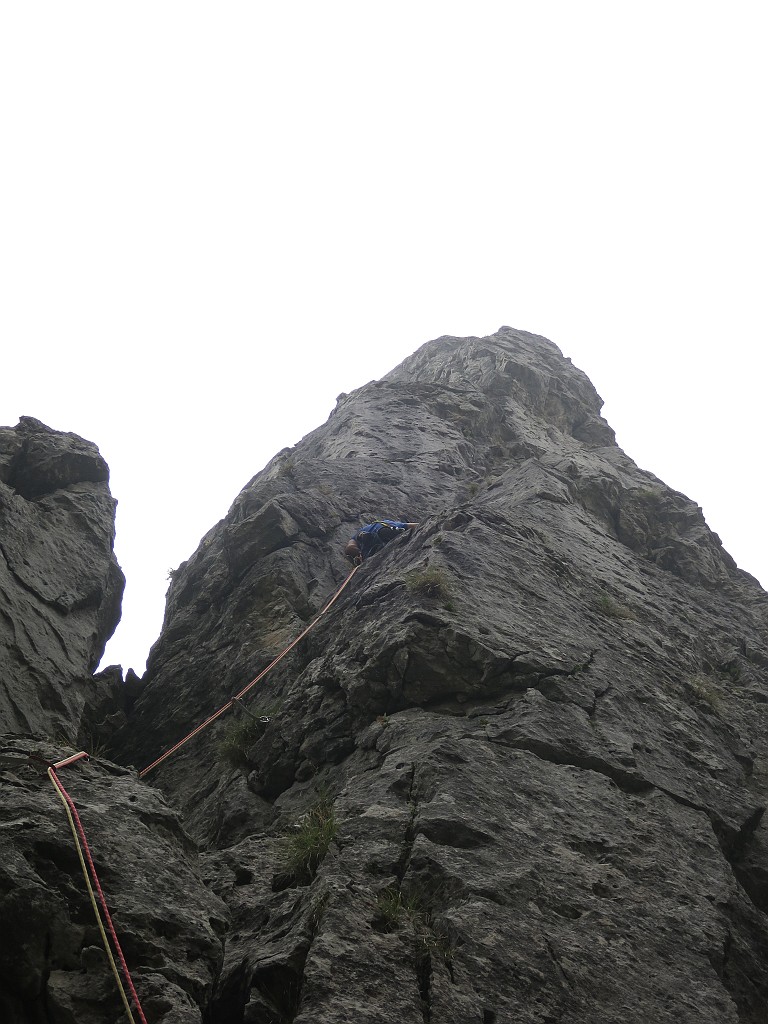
92	868
78	832
245	689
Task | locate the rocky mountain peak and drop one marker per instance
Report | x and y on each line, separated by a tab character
525	373
515	773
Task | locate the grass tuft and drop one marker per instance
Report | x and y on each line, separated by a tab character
309	842
242	734
606	605
393	908
704	689
396	909
430	582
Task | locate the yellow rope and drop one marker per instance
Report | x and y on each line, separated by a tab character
94	904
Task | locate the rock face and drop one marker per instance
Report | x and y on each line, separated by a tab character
60	584
517	772
61	587
52	964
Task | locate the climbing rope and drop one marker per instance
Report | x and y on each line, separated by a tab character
81	844
245	689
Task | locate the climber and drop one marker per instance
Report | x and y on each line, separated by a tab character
373	537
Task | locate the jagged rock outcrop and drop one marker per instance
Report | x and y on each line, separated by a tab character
60	584
61	587
518	772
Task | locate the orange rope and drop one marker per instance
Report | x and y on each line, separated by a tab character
245	689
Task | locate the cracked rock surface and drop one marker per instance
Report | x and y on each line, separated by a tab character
536	724
61	587
517	773
60	584
52	963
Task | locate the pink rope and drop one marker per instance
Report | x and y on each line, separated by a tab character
102	900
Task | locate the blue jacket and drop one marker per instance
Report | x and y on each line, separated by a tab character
375	535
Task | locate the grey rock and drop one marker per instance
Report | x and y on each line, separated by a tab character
540	717
52	964
516	773
61	587
60	584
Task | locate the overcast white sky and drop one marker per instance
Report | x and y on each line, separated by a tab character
214	217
